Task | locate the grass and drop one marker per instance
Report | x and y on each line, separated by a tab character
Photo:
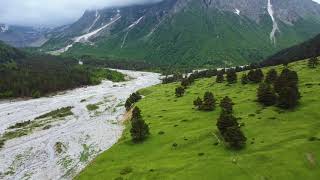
92	107
59	113
183	143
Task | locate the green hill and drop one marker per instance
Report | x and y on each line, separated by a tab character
184	143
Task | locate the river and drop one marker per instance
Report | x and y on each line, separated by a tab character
80	137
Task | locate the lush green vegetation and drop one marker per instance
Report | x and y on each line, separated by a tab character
184	143
307	49
58	113
25	75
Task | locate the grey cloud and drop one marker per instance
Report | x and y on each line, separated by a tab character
53	12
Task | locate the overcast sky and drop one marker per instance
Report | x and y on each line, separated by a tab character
53	12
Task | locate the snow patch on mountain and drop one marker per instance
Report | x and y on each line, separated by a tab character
237	11
87	36
129	29
95	21
275	26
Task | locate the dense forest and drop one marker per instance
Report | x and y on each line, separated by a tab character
310	48
25	75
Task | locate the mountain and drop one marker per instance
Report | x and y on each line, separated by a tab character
190	32
21	36
310	48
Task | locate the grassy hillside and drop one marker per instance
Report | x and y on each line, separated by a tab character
279	142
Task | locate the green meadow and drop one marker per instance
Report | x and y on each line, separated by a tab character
184	142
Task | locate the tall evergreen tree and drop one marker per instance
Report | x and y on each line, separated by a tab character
226	104
197	102
313	62
225	121
220	77
139	129
209	102
244	79
231	76
287	78
235	137
266	95
179	91
272	76
288	98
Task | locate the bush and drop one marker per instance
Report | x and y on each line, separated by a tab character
198	103
244	79
133	98
313	62
288	98
226	104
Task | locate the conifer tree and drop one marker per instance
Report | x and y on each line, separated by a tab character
197	102
272	76
209	102
244	79
266	95
139	129
226	104
231	76
313	62
220	77
225	121
235	137
288	98
179	91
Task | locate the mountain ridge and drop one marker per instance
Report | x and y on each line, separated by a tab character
176	32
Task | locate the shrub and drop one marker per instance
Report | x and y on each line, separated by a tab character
313	62
197	103
244	79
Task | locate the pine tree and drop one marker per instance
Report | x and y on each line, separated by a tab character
313	62
272	76
197	102
226	104
288	98
234	137
259	76
251	76
220	77
225	121
244	79
266	95
287	78
179	91
139	129
231	76
209	102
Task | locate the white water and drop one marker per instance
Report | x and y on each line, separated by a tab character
275	26
34	156
237	11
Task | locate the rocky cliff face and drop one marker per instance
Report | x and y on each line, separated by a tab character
205	31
